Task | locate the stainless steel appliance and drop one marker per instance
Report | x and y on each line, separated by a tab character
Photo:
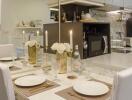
105	44
128	41
97	45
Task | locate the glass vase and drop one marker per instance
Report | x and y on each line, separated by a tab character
32	54
62	62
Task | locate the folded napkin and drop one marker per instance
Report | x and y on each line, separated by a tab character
6	85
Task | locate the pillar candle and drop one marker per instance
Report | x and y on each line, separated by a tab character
46	38
38	35
23	35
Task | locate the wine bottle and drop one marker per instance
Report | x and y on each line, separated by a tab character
85	46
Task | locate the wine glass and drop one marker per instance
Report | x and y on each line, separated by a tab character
25	56
13	60
55	66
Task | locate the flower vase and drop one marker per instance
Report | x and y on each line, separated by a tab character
62	62
32	51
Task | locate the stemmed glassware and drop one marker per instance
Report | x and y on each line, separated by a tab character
13	60
87	72
55	67
24	60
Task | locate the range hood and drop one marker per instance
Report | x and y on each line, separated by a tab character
121	10
107	8
78	2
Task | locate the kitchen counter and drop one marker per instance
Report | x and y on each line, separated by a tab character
106	64
116	60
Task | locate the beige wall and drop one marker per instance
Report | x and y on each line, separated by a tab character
14	11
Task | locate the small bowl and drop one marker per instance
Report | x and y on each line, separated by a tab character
87	16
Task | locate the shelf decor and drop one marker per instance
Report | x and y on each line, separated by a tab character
33	46
62	49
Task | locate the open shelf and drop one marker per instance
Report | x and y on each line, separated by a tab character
28	27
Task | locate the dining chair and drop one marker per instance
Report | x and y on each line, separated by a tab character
122	87
7	50
6	85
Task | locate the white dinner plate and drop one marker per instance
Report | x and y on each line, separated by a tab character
31	80
91	88
7	58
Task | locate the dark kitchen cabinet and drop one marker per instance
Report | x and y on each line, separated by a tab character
91	33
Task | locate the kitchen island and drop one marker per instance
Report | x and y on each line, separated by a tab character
101	68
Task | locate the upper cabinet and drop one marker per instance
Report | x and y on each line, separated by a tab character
99	1
127	3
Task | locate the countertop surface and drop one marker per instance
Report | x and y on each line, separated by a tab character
120	60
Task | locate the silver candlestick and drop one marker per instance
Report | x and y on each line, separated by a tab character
46	65
46	56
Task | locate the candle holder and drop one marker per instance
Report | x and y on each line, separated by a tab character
46	55
70	73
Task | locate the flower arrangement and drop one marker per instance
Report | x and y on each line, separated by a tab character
33	47
62	50
32	43
61	47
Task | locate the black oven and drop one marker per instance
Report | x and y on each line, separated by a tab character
96	45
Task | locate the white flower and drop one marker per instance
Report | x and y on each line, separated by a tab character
61	47
32	43
68	47
54	46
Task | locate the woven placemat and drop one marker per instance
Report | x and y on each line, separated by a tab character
70	94
29	91
14	68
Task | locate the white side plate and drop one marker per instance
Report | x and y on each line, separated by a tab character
31	80
7	58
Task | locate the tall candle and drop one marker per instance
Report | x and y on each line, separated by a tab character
46	38
23	35
37	33
71	39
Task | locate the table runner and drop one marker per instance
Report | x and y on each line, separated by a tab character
14	68
29	91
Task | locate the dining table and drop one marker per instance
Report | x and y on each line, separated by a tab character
63	89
